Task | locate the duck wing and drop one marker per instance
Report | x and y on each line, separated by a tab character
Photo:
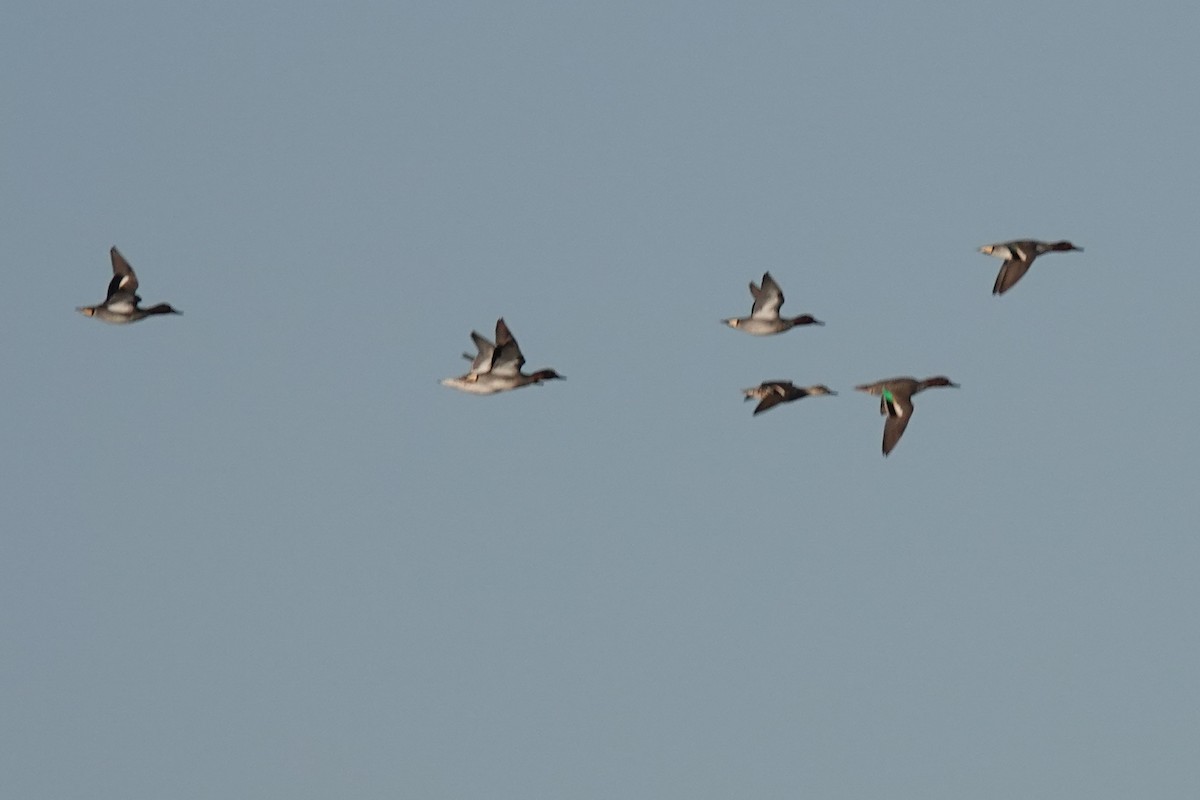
772	393
508	359
124	279
893	429
898	408
482	362
769	401
1011	271
767	299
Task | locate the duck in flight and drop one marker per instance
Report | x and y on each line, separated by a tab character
122	303
497	366
764	318
895	402
1018	256
772	393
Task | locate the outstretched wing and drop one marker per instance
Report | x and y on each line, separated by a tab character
893	429
769	401
772	393
482	362
508	359
123	279
899	409
1011	271
767	299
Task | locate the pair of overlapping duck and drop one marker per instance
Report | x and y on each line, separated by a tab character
496	367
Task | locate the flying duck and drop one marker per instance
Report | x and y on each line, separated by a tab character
497	366
764	318
772	393
895	402
121	304
1018	256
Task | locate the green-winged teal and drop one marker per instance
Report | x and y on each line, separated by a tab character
895	402
1017	257
121	304
497	367
772	393
764	318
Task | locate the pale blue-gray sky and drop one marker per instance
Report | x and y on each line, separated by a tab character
258	551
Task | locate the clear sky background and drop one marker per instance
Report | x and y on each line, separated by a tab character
258	551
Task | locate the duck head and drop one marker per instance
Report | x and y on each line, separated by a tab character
806	319
162	308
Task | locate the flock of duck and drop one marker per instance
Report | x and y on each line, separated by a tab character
496	366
